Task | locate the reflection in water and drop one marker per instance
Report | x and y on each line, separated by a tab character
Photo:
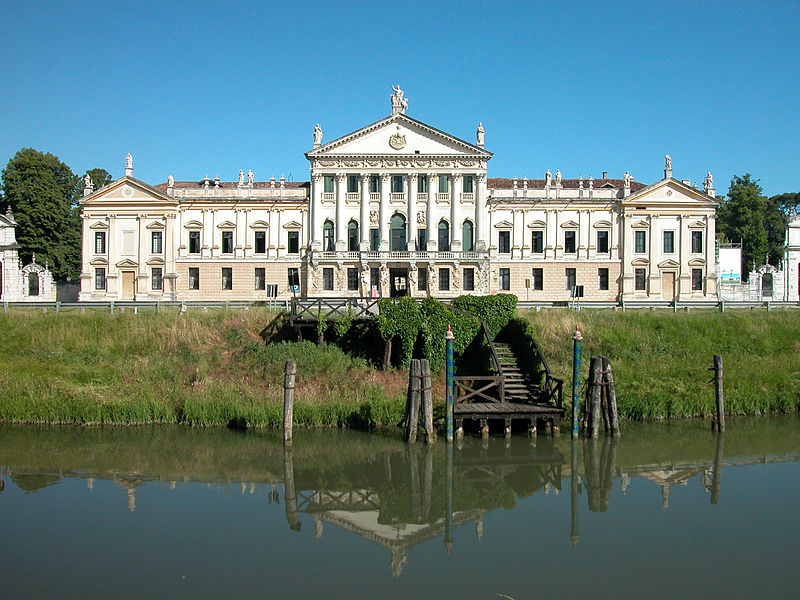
393	494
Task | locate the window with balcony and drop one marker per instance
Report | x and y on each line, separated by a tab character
422	184
352	184
397	184
444	236
327	182
156	242
444	185
504	242
227	242
352	237
537	241
468	184
99	242
374	184
602	242
260	245
569	242
328	243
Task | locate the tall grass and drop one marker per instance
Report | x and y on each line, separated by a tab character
660	359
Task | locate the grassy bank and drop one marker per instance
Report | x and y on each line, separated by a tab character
214	368
660	359
197	369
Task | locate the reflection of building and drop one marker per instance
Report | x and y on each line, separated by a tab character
403	208
30	283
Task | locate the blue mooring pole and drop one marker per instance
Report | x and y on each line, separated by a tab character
576	376
449	337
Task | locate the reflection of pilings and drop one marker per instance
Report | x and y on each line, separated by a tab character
413	475
448	517
573	492
290	498
427	484
599	468
716	480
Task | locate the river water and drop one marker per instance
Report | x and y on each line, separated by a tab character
668	511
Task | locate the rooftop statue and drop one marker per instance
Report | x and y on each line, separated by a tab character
480	134
250	176
317	135
399	103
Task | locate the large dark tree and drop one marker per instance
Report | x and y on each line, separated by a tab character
42	192
741	218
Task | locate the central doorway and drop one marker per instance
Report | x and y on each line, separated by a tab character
128	285
399	283
668	285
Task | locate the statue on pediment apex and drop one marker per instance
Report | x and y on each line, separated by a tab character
241	177
317	135
480	134
399	103
667	162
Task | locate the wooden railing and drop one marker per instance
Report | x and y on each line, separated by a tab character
333	308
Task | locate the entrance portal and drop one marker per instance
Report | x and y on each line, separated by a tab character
128	285
668	285
399	285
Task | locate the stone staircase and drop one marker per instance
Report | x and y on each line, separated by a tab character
517	388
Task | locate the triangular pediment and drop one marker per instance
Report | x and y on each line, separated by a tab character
670	193
292	225
504	225
668	264
226	225
127	263
127	191
640	225
401	136
569	225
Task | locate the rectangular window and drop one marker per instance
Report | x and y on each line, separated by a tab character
443	184
537	279
227	278
294	278
374	278
423	279
327	278
194	278
602	279
468	184
293	242
422	239
422	184
444	237
669	242
194	242
602	242
227	242
505	279
397	184
352	237
374	239
569	242
469	279
100	242
504	242
374	184
352	184
156	245
156	279
570	278
537	242
697	280
352	279
640	241
697	242
327	182
100	279
444	280
639	279
261	242
261	278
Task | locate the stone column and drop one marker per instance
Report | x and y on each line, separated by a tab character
314	223
655	284
711	256
684	242
481	218
412	212
457	233
383	218
363	224
341	201
626	239
430	221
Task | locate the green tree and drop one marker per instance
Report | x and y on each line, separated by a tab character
100	177
741	217
42	192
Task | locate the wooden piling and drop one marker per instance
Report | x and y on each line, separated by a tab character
597	368
612	397
719	422
426	396
289	371
412	402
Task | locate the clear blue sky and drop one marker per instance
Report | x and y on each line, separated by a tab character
191	90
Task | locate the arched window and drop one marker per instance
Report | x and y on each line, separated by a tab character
328	244
766	285
33	284
398	233
444	236
352	236
468	241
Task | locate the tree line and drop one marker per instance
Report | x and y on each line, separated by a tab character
43	195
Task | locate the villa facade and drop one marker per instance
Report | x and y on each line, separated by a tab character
399	208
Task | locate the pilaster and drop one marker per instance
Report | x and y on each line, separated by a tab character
411	212
341	202
383	218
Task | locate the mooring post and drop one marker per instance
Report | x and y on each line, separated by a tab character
717	368
612	397
288	400
576	375
573	493
427	400
597	367
449	337
449	482
412	402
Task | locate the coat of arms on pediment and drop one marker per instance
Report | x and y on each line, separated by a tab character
397	141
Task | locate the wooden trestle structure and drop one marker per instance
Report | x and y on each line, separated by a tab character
506	394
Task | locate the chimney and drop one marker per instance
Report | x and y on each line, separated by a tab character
605	174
